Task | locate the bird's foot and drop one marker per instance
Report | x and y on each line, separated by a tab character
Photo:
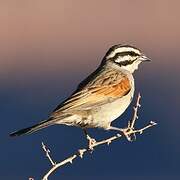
129	133
91	142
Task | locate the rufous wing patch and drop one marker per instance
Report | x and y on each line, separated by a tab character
116	90
97	95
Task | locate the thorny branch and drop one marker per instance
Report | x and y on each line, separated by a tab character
47	151
80	152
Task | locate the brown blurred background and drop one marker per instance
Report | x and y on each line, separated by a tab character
57	31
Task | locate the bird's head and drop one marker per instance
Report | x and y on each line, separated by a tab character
125	56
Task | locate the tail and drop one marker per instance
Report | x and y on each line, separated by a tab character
34	128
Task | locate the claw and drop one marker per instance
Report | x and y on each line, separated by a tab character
91	142
128	133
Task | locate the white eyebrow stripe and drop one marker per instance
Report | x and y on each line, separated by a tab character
123	49
124	58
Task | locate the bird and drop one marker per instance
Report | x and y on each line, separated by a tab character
100	98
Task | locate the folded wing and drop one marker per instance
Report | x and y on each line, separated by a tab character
103	89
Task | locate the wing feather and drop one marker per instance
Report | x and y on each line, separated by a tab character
95	94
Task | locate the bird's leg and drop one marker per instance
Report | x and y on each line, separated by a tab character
91	141
128	132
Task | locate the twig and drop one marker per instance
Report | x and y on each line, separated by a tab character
47	151
56	166
135	108
80	153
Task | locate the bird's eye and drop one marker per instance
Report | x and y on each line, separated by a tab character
131	53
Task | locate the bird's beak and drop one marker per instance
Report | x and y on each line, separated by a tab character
144	58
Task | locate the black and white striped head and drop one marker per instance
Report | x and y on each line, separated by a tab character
125	56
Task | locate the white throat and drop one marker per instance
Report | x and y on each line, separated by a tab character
132	67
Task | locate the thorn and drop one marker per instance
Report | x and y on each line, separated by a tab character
129	124
42	144
81	152
153	123
118	135
81	156
109	142
91	150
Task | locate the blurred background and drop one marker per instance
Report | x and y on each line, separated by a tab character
48	47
